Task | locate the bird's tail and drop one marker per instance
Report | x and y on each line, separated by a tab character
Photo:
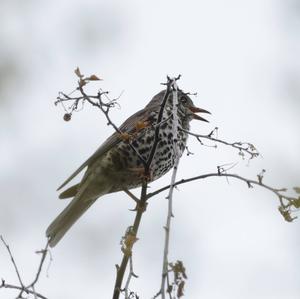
63	222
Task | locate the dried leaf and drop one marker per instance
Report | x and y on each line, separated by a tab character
241	154
180	289
130	240
286	214
252	147
141	125
296	203
93	78
125	136
78	73
82	82
297	189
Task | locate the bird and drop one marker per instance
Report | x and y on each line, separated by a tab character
116	165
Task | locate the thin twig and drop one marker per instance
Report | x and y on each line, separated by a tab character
131	195
249	182
104	107
10	286
109	121
33	289
44	254
22	287
130	275
13	262
284	208
246	147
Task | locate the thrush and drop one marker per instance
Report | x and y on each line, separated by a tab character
118	163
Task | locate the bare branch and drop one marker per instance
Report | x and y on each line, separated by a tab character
13	262
100	105
128	294
284	207
44	254
131	195
104	107
30	289
10	286
242	147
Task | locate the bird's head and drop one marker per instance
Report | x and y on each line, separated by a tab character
187	108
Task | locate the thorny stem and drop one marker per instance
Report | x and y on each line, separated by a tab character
141	205
170	195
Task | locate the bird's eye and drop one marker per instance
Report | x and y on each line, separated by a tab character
183	100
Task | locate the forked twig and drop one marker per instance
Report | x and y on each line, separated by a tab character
242	147
30	289
13	262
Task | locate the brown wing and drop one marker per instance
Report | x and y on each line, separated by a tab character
128	126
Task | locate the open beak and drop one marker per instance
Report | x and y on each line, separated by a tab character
198	110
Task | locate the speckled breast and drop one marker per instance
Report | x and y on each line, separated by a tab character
127	164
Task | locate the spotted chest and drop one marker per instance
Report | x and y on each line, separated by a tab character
123	157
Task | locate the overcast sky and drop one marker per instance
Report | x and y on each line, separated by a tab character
241	57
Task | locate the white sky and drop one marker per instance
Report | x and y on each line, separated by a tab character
242	59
